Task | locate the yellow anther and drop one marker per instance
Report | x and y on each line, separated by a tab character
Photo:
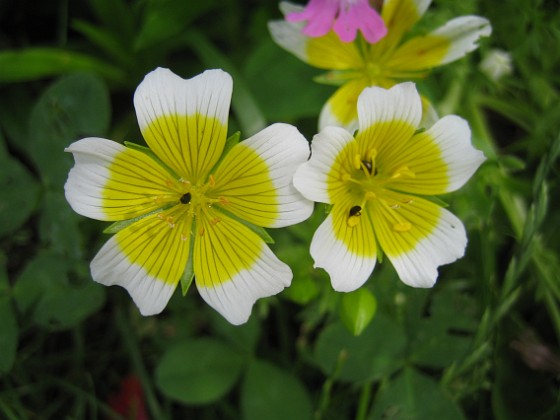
353	220
402	227
403	172
201	231
169	221
357	162
370	195
184	237
215	221
160	216
346	177
371	154
223	200
184	181
211	181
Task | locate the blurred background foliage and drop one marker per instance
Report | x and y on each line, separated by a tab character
483	343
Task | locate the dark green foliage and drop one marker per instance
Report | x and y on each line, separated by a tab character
483	343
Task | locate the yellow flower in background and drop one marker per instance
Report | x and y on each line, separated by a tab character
191	210
394	58
375	183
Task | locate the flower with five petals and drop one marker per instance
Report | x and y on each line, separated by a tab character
190	204
376	183
354	66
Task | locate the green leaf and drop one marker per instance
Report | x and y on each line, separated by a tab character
357	310
59	225
20	193
37	63
438	340
198	371
376	353
273	394
45	290
116	16
110	43
165	20
304	287
412	395
72	107
9	329
272	73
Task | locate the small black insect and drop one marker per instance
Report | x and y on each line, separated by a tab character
356	211
186	198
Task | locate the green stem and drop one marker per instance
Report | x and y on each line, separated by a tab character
136	358
364	402
327	386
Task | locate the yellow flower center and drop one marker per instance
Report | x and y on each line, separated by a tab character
367	184
186	203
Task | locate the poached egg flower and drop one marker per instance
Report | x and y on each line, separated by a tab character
357	65
191	210
375	183
345	17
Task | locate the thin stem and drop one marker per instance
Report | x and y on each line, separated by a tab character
136	358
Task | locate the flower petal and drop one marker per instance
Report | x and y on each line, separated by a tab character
399	17
185	121
322	173
340	110
347	254
400	105
256	175
234	267
319	15
360	15
441	158
448	43
147	258
417	236
327	52
111	182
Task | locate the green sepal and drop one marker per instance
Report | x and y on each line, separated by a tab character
148	151
335	77
436	200
380	254
263	234
230	142
419	130
188	275
121	224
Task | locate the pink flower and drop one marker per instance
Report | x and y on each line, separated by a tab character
345	17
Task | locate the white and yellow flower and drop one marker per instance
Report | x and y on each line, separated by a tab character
190	209
394	58
375	183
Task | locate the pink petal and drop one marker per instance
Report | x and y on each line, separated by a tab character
319	14
359	16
